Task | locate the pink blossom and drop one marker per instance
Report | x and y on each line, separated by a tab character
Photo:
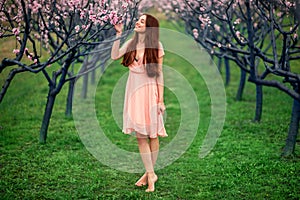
87	27
114	20
65	15
77	28
195	33
279	14
124	6
295	36
36	6
82	14
217	27
237	21
104	12
16	51
289	4
93	18
16	31
37	36
105	18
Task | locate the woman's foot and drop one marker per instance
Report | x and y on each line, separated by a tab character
152	178
142	181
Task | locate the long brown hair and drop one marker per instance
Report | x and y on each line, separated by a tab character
150	58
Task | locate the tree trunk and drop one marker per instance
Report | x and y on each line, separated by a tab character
289	148
211	60
54	89
85	85
240	91
220	64
103	66
227	68
47	115
70	98
93	77
259	103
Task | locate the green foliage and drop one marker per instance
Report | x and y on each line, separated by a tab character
245	163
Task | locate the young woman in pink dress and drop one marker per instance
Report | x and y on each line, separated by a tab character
143	105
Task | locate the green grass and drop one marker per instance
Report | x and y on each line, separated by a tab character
244	164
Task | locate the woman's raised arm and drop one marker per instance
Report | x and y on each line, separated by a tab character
116	51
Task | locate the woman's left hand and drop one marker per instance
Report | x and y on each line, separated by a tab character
161	108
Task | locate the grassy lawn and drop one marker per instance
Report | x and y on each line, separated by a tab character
244	164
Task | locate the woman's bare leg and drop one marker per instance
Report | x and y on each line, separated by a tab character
154	148
152	178
145	152
146	155
142	181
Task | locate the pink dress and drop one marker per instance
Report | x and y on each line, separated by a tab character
140	112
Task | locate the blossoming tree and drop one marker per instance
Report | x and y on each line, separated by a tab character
259	36
67	30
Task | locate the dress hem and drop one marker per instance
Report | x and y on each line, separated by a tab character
156	135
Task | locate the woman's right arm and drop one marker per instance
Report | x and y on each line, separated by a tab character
116	51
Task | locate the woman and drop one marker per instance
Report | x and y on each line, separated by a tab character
143	105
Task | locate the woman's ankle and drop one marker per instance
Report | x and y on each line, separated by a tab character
151	173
